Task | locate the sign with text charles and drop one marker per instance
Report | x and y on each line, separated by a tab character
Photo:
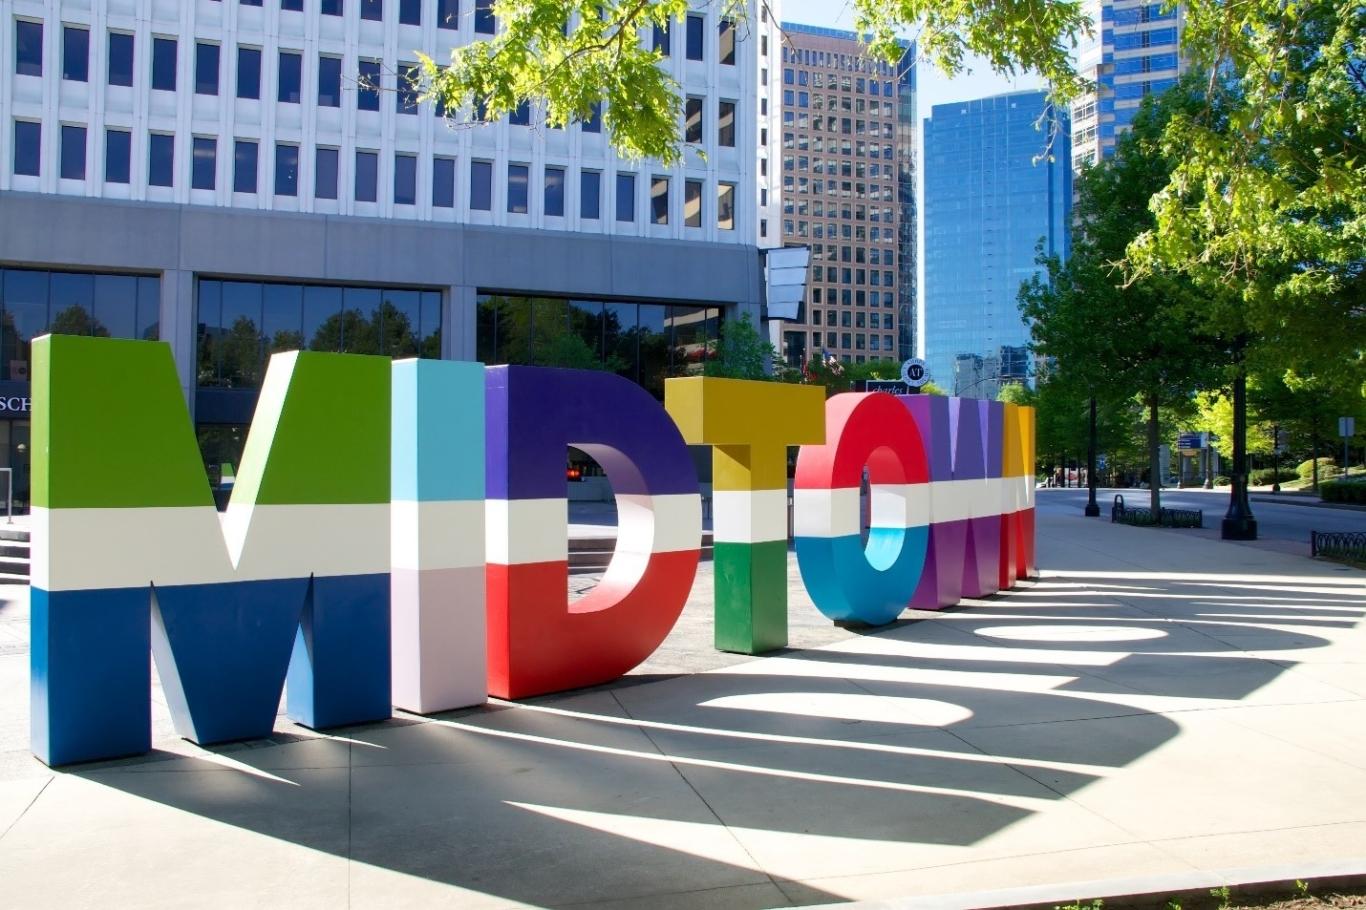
397	533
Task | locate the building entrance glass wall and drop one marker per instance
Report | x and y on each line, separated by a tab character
36	302
644	341
241	323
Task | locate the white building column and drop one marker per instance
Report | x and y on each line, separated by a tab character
179	326
459	317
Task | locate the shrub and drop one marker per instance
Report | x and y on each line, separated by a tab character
1222	480
1267	476
1327	468
1349	491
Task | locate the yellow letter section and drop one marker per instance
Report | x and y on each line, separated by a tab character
749	424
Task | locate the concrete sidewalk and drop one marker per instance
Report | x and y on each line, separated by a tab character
1156	707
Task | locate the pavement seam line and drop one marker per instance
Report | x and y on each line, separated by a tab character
683	777
20	816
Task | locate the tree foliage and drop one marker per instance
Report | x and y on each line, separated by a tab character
742	352
1111	338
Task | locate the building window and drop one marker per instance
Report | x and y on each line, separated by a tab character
659	200
408	76
725	36
695	37
481	186
485	23
626	197
405	179
443	183
725	124
520	115
248	73
118	154
448	14
291	77
329	81
594	122
590	195
661	38
160	159
329	7
120	59
725	206
517	189
295	6
367	176
554	191
372	10
203	163
325	162
163	64
244	166
692	119
692	203
75	54
73	153
205	69
410	12
286	169
367	86
28	48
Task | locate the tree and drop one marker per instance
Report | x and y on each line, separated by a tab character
1108	338
742	353
1269	193
567	56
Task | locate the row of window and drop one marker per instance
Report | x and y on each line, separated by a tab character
817	79
35	302
241	323
856	254
856	341
856	63
847	298
858	148
246	170
409	11
370	80
835	275
694	40
847	126
850	319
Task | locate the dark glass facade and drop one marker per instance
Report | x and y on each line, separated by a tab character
36	302
644	341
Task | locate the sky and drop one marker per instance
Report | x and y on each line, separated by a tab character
932	87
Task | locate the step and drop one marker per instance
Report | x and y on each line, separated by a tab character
9	578
13	565
14	548
8	532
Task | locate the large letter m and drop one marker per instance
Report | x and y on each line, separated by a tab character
129	553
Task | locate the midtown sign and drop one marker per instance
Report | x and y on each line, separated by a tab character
397	533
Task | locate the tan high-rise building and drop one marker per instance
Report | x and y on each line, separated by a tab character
848	167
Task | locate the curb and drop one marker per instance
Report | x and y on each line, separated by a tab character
1294	499
1190	888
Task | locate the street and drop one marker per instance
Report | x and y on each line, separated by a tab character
1285	523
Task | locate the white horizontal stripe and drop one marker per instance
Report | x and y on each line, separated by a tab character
438	535
825	513
956	500
520	531
749	516
84	549
900	505
659	524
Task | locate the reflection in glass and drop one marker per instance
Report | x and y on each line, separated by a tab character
322	306
25	318
282	310
400	322
72	305
359	322
116	305
240	335
210	315
654	349
149	309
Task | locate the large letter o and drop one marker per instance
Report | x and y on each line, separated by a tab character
846	580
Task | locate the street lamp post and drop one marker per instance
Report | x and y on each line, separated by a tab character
1239	523
1092	507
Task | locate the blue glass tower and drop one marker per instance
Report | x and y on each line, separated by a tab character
998	183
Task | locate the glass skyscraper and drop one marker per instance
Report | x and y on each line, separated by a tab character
1134	52
998	183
